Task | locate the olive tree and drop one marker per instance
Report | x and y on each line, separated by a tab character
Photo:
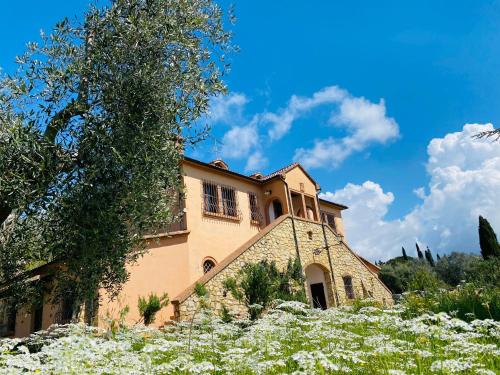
92	127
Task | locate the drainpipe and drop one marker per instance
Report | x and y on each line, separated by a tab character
327	247
290	207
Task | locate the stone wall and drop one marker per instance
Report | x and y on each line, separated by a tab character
277	243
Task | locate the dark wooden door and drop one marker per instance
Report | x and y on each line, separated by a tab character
318	296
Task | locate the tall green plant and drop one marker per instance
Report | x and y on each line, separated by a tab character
419	252
488	239
148	308
405	257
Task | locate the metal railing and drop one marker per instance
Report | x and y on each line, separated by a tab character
178	225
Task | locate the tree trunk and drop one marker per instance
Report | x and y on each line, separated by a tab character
5	211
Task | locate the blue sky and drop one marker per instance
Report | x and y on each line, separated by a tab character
434	64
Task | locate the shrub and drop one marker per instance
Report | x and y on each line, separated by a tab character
453	268
225	314
467	302
485	273
258	284
358	304
399	273
149	307
424	279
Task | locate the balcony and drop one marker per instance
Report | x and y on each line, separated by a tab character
178	226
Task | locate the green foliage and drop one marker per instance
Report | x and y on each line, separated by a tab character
150	306
402	275
424	279
225	314
485	273
261	283
115	325
357	304
396	273
488	239
454	268
200	290
419	252
467	302
429	258
92	127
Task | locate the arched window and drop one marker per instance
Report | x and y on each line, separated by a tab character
349	290
208	264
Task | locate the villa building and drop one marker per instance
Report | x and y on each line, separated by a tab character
230	219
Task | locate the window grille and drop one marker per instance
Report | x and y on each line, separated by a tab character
210	197
255	215
228	201
208	265
349	290
220	200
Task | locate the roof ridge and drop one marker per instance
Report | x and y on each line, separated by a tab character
281	170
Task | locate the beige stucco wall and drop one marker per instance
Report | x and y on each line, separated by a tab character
211	236
278	245
163	269
295	177
24	318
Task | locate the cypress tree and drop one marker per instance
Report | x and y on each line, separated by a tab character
488	239
405	257
419	253
428	256
438	257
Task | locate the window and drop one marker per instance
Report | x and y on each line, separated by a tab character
208	264
219	200
310	213
210	197
349	291
228	201
329	219
254	208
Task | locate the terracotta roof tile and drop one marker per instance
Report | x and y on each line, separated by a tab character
280	171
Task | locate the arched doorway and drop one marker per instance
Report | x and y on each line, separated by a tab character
275	209
316	286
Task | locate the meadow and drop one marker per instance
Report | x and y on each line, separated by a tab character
290	338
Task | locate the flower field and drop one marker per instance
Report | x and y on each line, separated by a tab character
291	338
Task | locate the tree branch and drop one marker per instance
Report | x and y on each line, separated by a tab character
495	134
5	211
61	118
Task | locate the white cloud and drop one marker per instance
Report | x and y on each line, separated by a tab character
420	192
464	183
227	108
256	162
239	141
366	123
297	106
